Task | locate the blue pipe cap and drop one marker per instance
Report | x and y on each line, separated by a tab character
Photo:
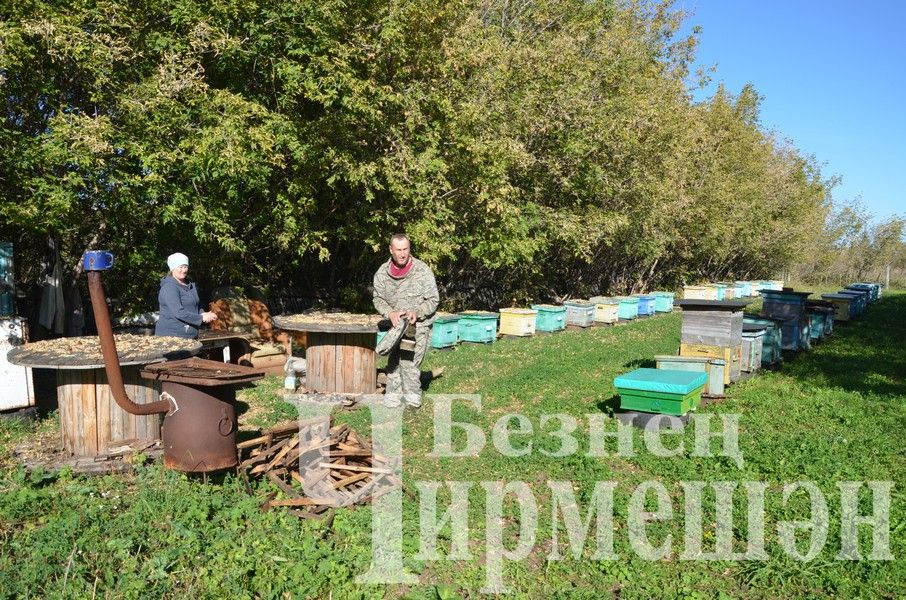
97	260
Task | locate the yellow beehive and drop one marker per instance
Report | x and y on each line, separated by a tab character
699	292
517	321
731	356
607	313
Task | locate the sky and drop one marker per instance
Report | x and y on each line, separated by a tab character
833	77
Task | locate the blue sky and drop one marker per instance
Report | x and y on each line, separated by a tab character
833	77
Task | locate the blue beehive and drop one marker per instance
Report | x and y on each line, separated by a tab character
789	305
871	288
646	304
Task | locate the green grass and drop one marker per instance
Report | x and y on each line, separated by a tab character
832	415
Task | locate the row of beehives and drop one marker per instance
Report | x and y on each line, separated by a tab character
729	290
720	344
485	327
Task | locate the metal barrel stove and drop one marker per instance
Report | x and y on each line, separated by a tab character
198	398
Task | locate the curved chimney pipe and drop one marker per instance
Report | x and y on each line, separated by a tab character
94	263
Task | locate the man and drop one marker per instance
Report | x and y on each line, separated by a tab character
404	289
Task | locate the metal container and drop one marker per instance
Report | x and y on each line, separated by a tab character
199	433
198	396
18	387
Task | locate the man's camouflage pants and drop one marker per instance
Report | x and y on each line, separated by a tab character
404	371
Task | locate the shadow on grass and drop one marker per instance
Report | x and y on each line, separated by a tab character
864	355
610	405
640	363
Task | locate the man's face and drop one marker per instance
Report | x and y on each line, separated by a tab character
399	251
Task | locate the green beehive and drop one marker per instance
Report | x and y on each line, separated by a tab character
477	326
550	317
445	332
629	307
663	301
662	391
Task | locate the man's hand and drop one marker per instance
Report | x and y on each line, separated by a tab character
396	315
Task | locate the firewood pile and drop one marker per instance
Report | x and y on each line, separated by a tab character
316	467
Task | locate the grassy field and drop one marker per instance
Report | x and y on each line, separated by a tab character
835	414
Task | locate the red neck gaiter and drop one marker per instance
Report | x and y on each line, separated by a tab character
400	272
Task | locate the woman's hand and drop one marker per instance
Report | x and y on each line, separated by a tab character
207	317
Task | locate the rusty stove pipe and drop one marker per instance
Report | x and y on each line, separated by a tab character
94	263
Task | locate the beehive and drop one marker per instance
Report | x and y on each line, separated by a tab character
477	326
714	367
629	308
663	301
660	391
699	292
550	317
745	289
752	344
731	356
789	305
842	305
720	290
712	322
445	332
517	321
606	309
772	342
580	313
646	304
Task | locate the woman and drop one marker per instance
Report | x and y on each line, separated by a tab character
180	308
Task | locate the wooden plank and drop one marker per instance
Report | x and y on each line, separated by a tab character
88	418
66	393
314	376
358	363
341	348
117	418
350	480
354	468
103	400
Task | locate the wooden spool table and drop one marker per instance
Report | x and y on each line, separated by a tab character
91	421
340	355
